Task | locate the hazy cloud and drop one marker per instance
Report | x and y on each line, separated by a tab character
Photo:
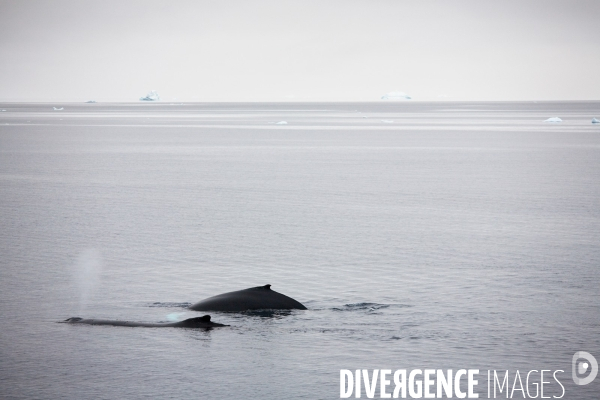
300	50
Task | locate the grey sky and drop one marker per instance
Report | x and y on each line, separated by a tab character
299	50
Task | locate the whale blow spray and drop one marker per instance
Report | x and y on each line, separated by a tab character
86	273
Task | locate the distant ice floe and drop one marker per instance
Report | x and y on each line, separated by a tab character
281	123
2	110
58	109
91	101
553	119
594	120
395	96
152	96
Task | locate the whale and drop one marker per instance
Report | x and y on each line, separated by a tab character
197	322
255	298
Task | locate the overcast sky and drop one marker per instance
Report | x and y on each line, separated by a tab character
77	50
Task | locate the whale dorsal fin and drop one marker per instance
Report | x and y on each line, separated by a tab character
205	318
268	287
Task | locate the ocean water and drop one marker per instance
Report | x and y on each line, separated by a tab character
419	235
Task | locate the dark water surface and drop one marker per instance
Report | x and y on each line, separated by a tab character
426	235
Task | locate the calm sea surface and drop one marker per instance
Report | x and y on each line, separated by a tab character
419	235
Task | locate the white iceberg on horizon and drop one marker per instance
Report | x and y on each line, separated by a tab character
91	101
58	109
395	96
595	121
152	96
553	119
281	123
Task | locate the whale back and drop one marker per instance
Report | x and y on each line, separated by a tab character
255	298
197	322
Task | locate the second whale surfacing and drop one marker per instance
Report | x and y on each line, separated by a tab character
198	322
256	298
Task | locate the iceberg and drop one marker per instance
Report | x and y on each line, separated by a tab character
58	109
395	96
594	120
281	123
553	119
152	96
91	101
